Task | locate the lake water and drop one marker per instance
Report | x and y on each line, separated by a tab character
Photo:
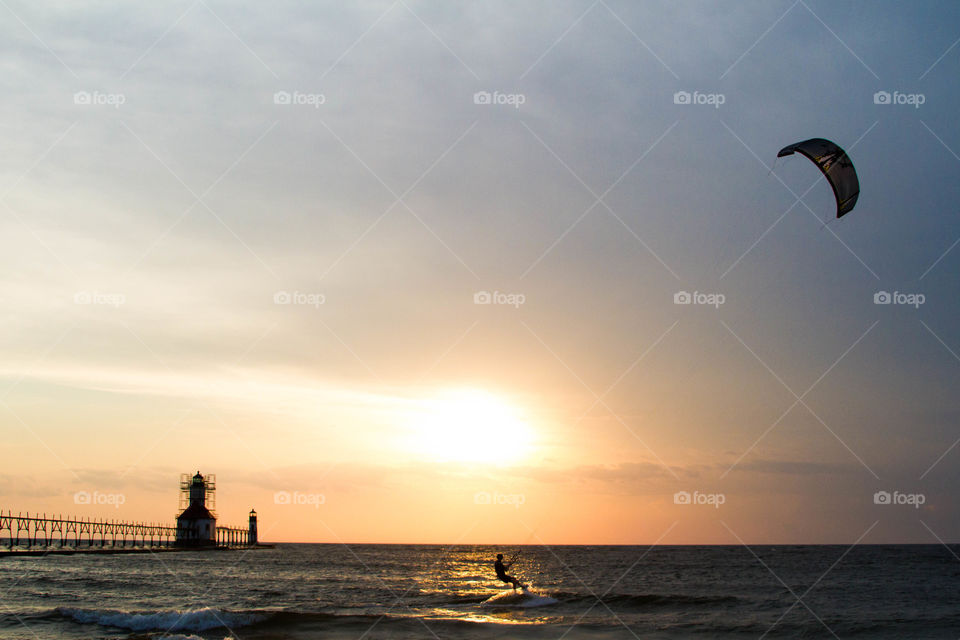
408	591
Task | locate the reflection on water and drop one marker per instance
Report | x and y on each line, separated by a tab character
335	591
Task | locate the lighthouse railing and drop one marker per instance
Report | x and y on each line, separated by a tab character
233	537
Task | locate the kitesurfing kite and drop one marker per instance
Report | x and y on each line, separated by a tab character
835	165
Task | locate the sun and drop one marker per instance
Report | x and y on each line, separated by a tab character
470	425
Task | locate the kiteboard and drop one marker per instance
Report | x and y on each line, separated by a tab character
520	598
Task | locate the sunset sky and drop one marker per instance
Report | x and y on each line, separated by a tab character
255	241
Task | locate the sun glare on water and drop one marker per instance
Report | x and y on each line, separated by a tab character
471	425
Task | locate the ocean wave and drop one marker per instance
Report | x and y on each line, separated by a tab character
643	599
579	598
523	600
178	636
170	620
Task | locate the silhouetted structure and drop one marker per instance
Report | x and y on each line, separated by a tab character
197	525
23	531
196	529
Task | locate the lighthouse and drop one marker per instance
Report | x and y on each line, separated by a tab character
196	524
252	538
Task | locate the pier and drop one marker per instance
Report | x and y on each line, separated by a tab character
25	533
196	528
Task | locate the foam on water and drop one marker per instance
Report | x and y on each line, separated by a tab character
190	620
524	598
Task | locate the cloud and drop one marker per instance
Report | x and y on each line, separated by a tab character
797	468
398	198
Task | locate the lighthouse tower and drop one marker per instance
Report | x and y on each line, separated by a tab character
196	524
253	528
